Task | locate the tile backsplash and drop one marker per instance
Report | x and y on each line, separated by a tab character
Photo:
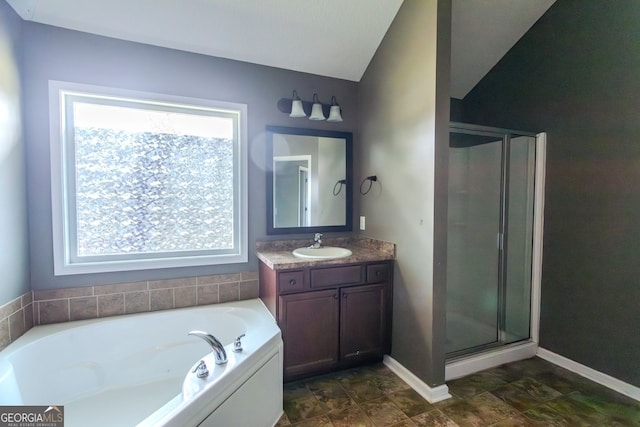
42	307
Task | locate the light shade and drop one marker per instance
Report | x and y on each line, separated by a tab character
334	112
316	109
296	107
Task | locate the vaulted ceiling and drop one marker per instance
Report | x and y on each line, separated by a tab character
334	38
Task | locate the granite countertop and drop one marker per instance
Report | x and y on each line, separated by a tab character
277	254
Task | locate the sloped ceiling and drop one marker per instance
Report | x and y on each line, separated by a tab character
335	38
482	32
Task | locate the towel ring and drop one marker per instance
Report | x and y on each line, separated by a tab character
340	182
371	179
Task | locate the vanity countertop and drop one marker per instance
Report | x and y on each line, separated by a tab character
277	254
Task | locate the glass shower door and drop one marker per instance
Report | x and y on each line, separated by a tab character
519	243
473	258
490	238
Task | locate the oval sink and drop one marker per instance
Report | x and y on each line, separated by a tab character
325	252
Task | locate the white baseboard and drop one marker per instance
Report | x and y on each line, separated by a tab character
486	361
480	362
433	395
590	373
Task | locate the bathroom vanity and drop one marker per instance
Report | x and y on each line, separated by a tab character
333	313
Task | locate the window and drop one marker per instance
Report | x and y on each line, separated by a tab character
142	181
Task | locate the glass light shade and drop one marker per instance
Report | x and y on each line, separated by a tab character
296	109
316	112
334	114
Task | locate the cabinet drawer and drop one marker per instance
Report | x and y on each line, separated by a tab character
336	276
378	273
291	281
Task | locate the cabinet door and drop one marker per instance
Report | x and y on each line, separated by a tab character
363	322
309	324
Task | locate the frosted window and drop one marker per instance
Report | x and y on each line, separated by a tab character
146	183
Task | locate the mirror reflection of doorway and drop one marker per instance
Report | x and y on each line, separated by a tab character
292	191
303	191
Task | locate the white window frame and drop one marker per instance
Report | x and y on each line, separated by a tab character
64	261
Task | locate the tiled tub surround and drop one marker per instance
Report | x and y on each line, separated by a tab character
90	302
276	254
16	318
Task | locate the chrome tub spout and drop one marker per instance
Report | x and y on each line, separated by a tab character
219	353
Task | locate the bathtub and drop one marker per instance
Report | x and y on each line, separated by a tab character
136	370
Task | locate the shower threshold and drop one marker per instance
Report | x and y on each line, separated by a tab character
488	357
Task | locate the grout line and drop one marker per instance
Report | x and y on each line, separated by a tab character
9	329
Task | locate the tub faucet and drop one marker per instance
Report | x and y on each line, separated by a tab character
218	349
317	241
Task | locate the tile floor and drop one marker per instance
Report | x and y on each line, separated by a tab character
531	392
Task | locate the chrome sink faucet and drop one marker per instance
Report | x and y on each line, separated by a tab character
317	241
219	353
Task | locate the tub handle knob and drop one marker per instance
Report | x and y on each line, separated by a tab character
237	344
201	370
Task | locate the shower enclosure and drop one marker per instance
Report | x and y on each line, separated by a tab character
490	238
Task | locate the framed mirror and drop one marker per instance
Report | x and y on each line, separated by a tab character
309	180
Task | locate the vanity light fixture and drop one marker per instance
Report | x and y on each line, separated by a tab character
315	110
296	106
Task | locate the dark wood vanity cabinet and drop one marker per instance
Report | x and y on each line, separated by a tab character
306	320
363	321
331	317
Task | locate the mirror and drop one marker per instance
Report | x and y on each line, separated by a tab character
309	180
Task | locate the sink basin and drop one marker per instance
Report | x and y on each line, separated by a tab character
325	252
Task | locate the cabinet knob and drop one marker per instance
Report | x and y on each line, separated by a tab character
292	282
378	273
344	295
335	296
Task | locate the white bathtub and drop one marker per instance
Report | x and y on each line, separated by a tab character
136	369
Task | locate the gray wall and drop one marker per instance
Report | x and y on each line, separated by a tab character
331	169
59	54
575	76
14	252
404	132
295	145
